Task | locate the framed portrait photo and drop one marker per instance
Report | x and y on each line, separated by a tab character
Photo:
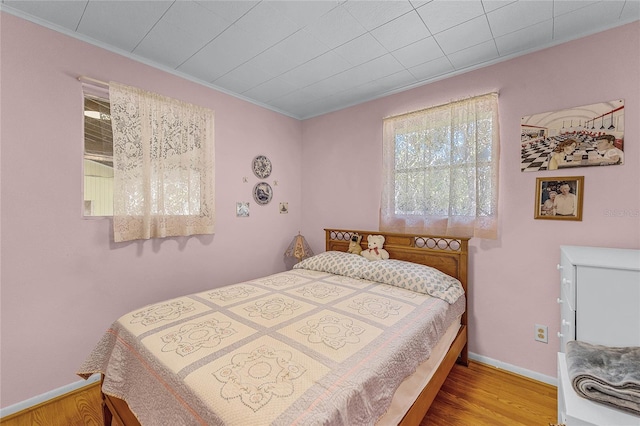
559	198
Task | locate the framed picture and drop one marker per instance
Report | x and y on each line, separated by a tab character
587	135
242	209
559	198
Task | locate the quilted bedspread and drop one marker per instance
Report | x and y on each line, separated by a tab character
301	347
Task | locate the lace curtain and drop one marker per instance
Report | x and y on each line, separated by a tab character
163	160
440	170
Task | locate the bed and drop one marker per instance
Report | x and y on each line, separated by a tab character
336	340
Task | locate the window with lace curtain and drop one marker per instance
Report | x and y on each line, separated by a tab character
440	170
149	162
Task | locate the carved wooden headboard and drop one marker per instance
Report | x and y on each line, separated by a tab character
448	254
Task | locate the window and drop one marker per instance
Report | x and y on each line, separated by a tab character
440	169
148	163
98	157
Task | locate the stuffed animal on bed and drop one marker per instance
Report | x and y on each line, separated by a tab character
354	244
375	250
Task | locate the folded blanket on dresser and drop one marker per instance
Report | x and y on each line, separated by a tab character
605	374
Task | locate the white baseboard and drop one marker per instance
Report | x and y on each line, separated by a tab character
514	369
32	402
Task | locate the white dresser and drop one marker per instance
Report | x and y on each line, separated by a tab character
599	304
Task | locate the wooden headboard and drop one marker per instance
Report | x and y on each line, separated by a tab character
448	254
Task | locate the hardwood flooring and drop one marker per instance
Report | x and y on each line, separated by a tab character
477	395
481	395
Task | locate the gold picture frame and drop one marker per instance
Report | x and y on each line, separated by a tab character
559	198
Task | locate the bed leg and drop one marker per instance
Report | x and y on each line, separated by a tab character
464	356
107	417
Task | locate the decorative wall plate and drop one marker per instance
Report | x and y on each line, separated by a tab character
262	166
262	193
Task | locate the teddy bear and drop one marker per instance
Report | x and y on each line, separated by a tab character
375	250
354	244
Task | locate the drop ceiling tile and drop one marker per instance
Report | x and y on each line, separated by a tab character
242	78
378	68
66	14
185	29
195	19
372	14
562	7
121	24
464	35
267	24
301	47
272	62
432	69
231	10
304	12
317	69
272	89
478	54
168	45
440	15
204	65
582	21
227	51
336	27
338	83
518	15
361	49
424	50
525	39
390	83
348	97
401	32
491	5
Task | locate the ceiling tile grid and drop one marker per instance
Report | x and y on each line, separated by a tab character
304	58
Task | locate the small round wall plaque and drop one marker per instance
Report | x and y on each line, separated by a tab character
262	166
262	193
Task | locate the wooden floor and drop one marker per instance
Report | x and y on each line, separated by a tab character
472	396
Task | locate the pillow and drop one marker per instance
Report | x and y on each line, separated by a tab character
415	277
335	262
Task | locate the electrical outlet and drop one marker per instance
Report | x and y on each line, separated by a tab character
541	333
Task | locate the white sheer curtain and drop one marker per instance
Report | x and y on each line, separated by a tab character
440	170
163	160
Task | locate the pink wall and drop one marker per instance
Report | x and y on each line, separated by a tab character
63	279
514	281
